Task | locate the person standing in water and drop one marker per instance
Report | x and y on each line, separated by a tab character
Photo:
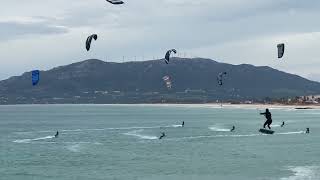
282	124
233	128
56	135
268	122
162	136
307	131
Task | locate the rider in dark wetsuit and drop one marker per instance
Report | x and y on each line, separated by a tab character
56	135
282	124
182	124
268	122
307	131
163	135
233	128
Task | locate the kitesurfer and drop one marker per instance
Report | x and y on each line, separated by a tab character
162	136
56	135
182	124
282	124
307	131
268	122
233	128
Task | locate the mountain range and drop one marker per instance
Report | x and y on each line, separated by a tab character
193	81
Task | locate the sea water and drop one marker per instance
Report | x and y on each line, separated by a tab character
98	142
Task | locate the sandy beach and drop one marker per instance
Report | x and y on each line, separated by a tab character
228	105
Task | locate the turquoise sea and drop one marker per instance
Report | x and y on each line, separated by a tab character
120	142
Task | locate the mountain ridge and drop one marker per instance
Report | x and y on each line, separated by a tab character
193	80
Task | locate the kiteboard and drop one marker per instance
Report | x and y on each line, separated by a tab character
266	131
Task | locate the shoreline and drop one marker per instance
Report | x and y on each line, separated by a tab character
204	105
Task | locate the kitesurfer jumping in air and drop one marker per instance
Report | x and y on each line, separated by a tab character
162	136
268	122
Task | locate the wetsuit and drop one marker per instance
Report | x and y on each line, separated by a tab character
163	135
282	124
233	128
268	122
307	131
56	135
182	123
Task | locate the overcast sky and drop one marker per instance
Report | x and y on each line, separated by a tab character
42	34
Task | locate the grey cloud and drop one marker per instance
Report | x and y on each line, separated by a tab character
201	24
149	27
13	30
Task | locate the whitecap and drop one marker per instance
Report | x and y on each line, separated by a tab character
303	173
74	148
293	132
30	140
214	128
216	136
136	134
176	125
